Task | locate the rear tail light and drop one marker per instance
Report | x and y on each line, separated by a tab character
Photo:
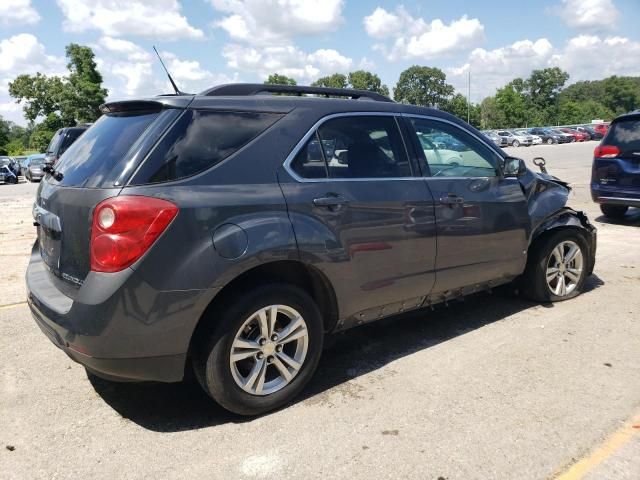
124	228
606	151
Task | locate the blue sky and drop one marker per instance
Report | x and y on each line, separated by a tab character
206	42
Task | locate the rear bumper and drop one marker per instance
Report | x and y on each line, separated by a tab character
613	196
119	327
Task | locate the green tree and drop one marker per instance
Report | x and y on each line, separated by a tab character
544	87
490	115
74	98
84	93
277	79
41	95
337	80
424	86
363	80
513	106
458	106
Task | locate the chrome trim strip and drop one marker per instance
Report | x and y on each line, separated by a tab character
312	130
287	163
630	201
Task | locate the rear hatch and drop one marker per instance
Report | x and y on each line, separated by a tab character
94	168
617	158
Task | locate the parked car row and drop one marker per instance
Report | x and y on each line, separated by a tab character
32	167
549	135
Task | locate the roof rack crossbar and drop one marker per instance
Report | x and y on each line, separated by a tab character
246	89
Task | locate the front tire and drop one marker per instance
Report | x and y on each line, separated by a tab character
614	211
549	141
264	349
515	143
557	267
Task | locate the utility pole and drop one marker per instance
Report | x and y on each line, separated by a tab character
469	98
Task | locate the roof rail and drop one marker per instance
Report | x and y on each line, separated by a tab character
246	89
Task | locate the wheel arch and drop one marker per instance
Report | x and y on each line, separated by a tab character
294	272
567	218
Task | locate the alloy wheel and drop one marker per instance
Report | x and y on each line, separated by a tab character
269	349
564	268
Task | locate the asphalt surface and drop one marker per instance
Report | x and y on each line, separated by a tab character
493	387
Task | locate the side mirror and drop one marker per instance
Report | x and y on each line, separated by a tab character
514	167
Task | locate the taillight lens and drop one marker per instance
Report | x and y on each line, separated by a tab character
606	151
124	228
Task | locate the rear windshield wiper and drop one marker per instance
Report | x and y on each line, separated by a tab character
48	168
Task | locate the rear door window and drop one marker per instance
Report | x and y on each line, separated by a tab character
364	146
102	149
626	136
309	162
199	140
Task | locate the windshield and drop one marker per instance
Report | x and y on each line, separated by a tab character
36	163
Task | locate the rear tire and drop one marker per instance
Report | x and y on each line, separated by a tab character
242	367
515	143
557	267
614	211
549	141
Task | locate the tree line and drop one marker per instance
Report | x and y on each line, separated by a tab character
53	102
542	99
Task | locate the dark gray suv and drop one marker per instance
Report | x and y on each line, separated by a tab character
229	231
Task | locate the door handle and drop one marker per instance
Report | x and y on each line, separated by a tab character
452	200
330	201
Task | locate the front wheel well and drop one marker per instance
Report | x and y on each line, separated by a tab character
292	272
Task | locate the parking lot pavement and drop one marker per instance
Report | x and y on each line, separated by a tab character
493	387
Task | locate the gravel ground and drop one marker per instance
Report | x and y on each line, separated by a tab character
493	387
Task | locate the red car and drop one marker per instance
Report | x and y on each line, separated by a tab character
579	136
600	127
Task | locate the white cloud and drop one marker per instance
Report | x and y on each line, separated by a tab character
413	37
131	71
275	22
621	57
160	18
14	12
23	54
492	69
287	60
588	14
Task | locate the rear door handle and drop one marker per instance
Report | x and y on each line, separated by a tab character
452	200
330	201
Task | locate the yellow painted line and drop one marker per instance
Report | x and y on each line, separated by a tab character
612	444
12	305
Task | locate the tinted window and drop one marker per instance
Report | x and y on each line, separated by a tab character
55	141
102	148
626	136
364	147
199	140
69	138
309	162
450	152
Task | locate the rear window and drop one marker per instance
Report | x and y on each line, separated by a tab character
102	148
69	138
625	135
199	140
55	141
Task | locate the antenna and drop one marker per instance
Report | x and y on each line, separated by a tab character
173	84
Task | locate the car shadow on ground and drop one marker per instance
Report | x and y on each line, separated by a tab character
184	406
632	218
